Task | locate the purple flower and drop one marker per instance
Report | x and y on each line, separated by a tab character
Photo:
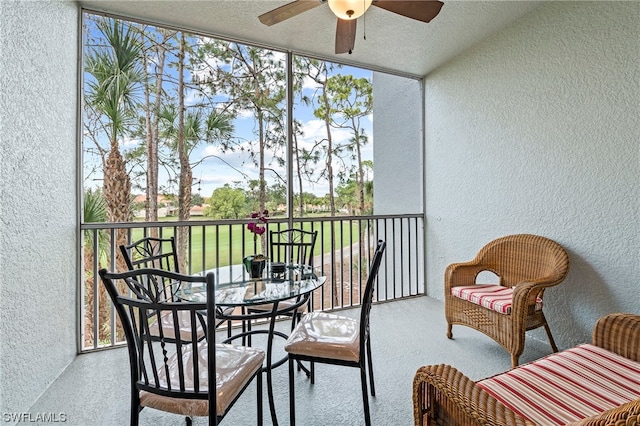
258	218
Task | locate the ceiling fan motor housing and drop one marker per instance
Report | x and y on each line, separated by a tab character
349	9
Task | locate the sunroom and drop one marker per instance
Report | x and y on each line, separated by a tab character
527	123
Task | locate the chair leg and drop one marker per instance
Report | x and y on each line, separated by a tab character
548	330
370	363
292	398
294	318
365	397
135	408
246	327
259	404
188	421
449	331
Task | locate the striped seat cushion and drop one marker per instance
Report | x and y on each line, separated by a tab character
567	386
495	297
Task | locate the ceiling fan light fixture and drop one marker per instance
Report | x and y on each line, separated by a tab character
349	9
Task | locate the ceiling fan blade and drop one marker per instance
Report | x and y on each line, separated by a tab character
287	11
345	35
422	10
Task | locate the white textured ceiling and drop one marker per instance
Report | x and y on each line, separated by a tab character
393	43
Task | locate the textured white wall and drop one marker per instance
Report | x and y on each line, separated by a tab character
38	197
398	157
398	153
535	130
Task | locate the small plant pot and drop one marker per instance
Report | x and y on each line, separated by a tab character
255	265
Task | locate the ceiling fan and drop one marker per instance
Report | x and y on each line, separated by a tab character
348	11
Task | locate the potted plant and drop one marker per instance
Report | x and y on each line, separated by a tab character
255	264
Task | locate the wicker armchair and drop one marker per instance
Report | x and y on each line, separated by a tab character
528	264
443	395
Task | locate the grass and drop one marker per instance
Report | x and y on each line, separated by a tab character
234	242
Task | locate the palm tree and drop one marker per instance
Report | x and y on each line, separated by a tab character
197	126
117	77
215	126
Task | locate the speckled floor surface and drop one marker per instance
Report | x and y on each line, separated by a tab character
93	390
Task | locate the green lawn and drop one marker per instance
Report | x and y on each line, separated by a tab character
345	234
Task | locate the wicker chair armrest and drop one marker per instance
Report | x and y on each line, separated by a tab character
538	283
625	414
525	293
462	401
619	333
462	274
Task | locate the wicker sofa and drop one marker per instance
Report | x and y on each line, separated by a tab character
444	396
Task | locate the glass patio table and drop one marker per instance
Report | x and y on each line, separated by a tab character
278	292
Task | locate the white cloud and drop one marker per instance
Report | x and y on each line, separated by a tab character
315	130
129	142
246	114
310	84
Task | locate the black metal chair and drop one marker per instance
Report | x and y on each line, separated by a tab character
151	252
173	374
290	246
154	253
161	253
333	339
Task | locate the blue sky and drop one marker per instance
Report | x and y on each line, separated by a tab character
215	173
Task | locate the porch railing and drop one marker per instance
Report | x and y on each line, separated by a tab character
343	249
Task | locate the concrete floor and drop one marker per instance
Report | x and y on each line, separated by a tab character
406	334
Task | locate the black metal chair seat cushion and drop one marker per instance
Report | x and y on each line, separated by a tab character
235	368
325	335
183	325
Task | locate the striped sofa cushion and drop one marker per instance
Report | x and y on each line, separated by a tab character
567	386
495	297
